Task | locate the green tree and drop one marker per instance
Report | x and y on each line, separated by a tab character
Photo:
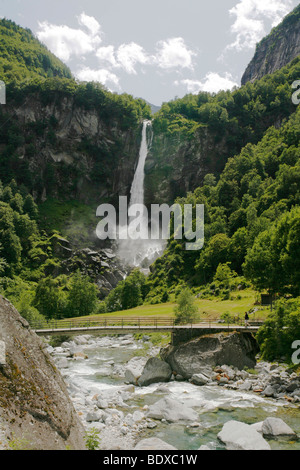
49	299
280	330
82	298
185	310
30	207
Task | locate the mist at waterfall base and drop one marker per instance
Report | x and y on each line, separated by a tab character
143	251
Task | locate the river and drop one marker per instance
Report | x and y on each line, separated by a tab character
100	373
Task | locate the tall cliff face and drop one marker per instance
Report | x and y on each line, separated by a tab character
63	150
176	165
35	409
277	49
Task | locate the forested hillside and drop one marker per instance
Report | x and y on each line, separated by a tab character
197	134
251	216
23	57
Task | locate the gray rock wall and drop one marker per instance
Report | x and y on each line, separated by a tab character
35	409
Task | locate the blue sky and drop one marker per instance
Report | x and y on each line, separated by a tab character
155	50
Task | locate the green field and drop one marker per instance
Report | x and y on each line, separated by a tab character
208	309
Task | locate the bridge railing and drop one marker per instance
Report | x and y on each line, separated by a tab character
138	322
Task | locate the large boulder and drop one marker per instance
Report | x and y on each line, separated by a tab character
134	369
240	436
35	406
234	349
172	411
155	371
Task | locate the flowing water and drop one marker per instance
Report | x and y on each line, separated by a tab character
141	251
102	373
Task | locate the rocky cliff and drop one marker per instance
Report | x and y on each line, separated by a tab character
176	164
35	410
63	149
277	49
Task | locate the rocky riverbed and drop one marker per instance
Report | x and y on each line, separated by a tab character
222	407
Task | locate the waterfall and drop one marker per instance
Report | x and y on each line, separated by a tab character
137	188
140	252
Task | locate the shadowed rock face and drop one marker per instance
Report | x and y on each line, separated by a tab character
35	407
89	158
277	49
236	349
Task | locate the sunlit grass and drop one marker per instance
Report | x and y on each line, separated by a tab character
209	309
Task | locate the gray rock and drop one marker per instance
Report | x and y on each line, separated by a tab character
276	427
236	349
171	410
199	379
269	391
134	369
154	371
153	443
240	436
93	416
48	423
247	385
257	426
102	403
292	387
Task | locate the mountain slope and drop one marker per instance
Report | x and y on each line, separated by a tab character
197	134
24	57
277	49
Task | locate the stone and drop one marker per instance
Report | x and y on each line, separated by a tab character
93	416
240	436
172	411
247	385
276	427
199	379
234	349
257	426
134	369
269	391
153	443
154	371
138	416
102	403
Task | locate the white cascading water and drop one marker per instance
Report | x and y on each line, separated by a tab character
141	252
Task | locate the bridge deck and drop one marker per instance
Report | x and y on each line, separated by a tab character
126	329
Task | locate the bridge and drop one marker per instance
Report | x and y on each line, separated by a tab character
130	325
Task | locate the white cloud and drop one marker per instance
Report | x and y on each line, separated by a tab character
106	54
250	17
90	23
103	76
128	55
173	53
66	42
212	83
